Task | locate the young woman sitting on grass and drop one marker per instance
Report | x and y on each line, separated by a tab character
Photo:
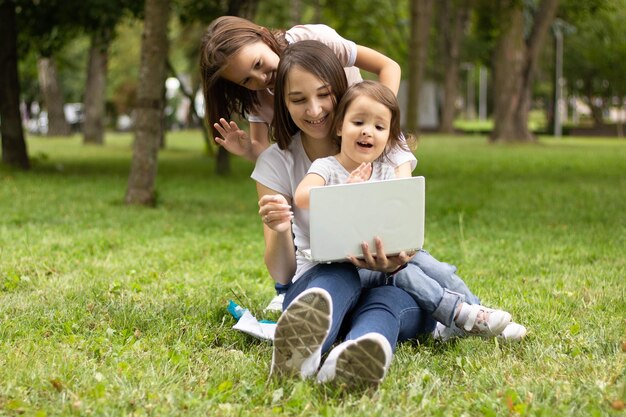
325	302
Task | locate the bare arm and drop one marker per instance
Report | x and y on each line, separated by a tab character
388	71
302	195
260	138
276	214
403	170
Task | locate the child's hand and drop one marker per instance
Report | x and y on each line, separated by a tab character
235	140
361	174
380	262
275	212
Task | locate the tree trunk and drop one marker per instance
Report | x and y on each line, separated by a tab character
149	108
93	129
52	97
596	105
421	13
508	68
455	17
223	161
514	65
14	151
597	112
296	12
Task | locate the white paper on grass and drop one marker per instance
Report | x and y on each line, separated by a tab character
250	325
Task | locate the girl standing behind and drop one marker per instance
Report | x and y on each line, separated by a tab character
238	68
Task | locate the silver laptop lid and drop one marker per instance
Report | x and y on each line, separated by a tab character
343	216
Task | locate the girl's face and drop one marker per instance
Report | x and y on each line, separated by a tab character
365	130
310	103
252	67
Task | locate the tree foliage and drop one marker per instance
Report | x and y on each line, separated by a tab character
381	24
45	26
61	28
595	53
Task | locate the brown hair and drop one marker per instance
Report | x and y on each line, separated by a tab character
224	37
315	58
383	95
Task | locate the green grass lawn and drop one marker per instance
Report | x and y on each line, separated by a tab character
113	310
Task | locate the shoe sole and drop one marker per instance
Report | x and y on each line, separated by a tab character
361	364
300	332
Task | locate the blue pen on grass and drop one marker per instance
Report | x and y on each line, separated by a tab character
237	311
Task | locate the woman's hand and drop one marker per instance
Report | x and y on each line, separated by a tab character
234	140
275	212
380	262
361	173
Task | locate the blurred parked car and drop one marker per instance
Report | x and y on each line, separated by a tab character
74	115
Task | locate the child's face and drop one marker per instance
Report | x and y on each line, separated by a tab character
365	130
310	103
252	67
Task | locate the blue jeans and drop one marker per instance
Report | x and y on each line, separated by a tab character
342	282
434	285
390	311
386	310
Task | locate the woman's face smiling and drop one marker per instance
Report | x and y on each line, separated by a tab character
310	103
253	67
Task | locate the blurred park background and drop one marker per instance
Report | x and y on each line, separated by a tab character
510	69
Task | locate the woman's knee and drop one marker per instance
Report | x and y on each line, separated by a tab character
341	281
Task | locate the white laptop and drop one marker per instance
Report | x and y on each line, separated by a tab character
343	216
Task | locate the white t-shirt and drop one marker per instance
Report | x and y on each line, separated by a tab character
331	170
282	172
343	48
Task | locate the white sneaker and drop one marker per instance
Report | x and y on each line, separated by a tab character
276	304
445	333
479	320
300	333
514	332
362	362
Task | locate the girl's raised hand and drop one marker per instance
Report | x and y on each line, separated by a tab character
275	212
235	140
361	173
